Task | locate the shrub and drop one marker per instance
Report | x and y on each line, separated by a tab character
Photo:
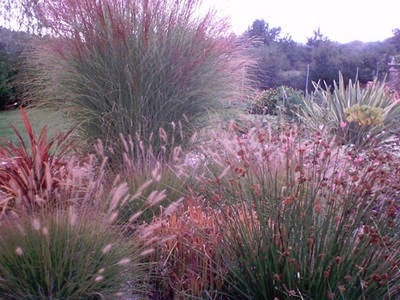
364	115
338	113
120	73
6	91
31	173
62	256
265	102
306	219
272	101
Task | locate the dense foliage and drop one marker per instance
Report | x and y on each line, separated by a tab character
300	203
282	61
284	100
12	46
5	74
301	217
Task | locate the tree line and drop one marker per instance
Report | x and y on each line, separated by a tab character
282	61
279	60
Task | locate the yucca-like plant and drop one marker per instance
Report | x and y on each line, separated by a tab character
355	115
63	256
306	219
134	66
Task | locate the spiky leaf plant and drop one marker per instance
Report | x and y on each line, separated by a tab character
333	111
31	172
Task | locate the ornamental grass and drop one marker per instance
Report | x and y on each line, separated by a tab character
133	67
303	218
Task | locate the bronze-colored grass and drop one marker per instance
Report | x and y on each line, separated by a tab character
188	263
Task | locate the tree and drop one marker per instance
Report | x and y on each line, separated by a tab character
325	62
262	31
12	45
5	87
317	39
395	40
21	15
270	61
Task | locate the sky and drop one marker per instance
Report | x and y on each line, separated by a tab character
340	20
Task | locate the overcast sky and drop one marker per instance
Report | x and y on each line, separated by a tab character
341	20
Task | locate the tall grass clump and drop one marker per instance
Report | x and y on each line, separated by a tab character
62	256
301	218
355	115
134	66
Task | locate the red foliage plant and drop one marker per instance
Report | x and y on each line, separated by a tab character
30	173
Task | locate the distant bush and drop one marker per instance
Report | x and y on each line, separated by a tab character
272	101
293	78
135	66
6	87
12	45
265	102
364	115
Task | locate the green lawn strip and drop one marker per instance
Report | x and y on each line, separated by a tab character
54	120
